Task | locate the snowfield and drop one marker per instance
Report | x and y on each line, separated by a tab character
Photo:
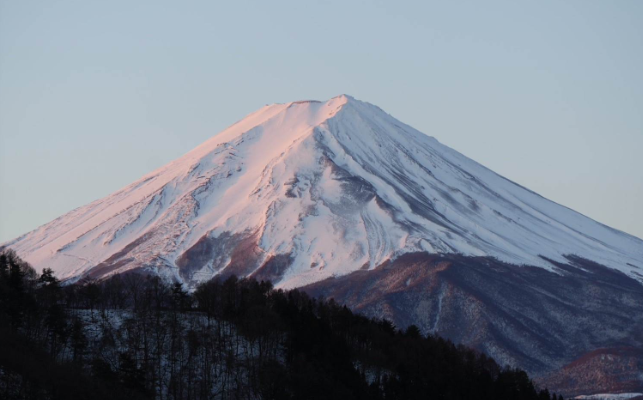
303	191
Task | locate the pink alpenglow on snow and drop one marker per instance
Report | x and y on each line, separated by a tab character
303	191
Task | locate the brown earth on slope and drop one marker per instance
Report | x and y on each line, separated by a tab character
615	370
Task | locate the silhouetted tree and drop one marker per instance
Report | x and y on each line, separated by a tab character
230	339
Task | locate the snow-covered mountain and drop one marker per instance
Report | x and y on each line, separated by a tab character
347	202
308	190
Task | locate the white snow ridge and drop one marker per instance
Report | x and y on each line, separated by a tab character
308	190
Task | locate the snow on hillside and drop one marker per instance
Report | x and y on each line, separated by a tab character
609	396
309	190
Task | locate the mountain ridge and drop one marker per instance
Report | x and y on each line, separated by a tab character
346	158
344	201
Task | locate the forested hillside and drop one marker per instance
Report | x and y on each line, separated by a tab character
136	337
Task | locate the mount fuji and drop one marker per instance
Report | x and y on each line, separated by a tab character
345	201
309	190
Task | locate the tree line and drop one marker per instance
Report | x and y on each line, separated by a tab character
136	336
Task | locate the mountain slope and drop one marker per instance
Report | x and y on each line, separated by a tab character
525	316
344	200
304	191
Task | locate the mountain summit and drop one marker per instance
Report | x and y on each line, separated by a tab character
300	192
347	202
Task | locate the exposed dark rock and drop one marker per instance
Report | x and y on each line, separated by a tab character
214	252
274	268
116	261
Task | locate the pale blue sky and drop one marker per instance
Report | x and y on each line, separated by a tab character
94	95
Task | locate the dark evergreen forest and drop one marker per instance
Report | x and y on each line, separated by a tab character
134	336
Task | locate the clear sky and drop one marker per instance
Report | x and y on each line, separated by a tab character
94	95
